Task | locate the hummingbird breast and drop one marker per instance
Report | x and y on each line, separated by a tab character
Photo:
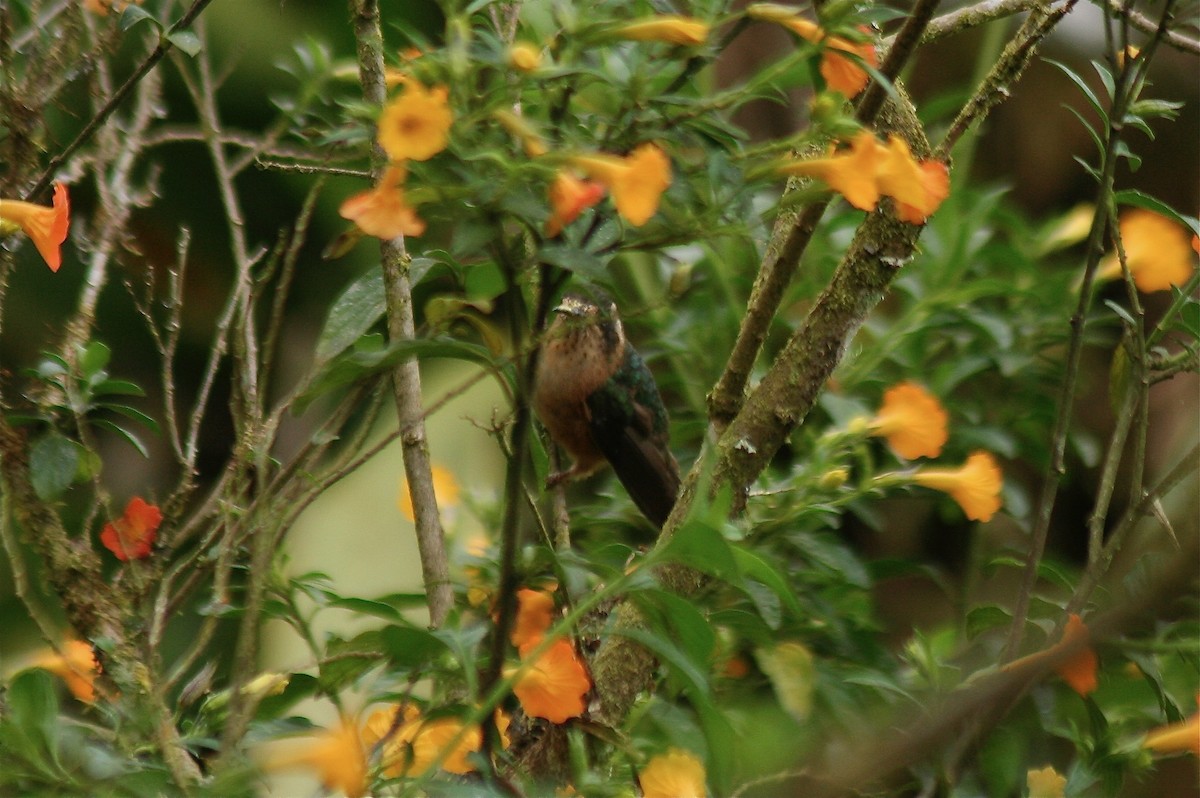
572	365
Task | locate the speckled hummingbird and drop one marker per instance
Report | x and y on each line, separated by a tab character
598	400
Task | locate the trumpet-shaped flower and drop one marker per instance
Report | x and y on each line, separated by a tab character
382	211
636	181
1157	251
868	169
675	774
76	665
46	227
131	536
338	756
569	197
912	420
555	685
669	28
416	125
842	73
535	611
975	486
1078	669
445	488
1175	738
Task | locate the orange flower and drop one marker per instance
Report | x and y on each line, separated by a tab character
636	181
415	125
555	686
1078	671
851	173
841	73
76	666
337	755
569	197
1156	251
912	420
101	7
445	488
675	774
1175	738
975	486
869	169
418	742
524	57
131	536
381	211
669	28
534	614
935	184
47	227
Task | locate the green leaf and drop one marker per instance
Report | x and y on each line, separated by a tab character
704	548
132	15
368	607
1088	94
678	619
352	314
370	357
754	567
129	437
1138	199
988	616
185	40
346	660
410	647
133	413
33	709
53	463
94	358
585	264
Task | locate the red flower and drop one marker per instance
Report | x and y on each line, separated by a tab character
131	536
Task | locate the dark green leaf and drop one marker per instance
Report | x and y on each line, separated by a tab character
94	358
129	437
352	314
132	15
53	463
988	616
410	647
574	260
679	620
1132	196
704	548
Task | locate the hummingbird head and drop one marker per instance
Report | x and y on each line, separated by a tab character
590	316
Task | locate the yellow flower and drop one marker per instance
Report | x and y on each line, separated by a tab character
417	741
555	686
636	181
1045	783
850	173
515	124
76	666
338	756
912	420
382	211
1175	738
445	488
675	774
415	125
524	57
842	74
1156	251
868	169
46	227
975	486
569	197
669	28
535	611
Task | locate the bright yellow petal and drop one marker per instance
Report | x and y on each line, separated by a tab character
912	420
675	774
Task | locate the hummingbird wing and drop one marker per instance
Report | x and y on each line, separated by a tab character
629	424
